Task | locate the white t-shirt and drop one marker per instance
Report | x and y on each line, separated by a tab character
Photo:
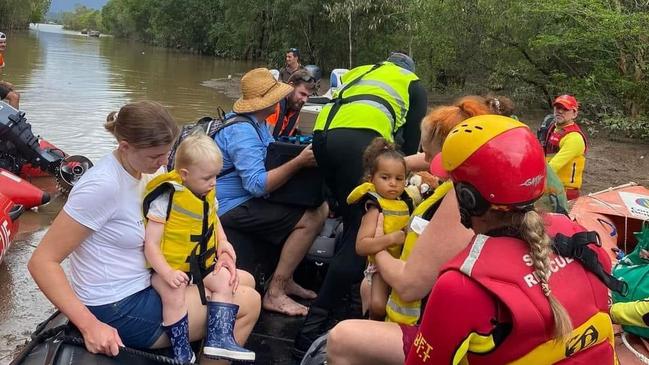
109	265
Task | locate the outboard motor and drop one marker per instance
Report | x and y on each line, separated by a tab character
20	146
275	73
314	71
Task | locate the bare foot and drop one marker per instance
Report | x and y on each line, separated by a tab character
283	304
292	288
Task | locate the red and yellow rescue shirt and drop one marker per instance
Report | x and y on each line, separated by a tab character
487	307
565	151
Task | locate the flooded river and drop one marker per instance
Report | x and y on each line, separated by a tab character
68	84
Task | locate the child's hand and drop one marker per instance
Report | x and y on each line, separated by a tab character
176	278
225	248
227	263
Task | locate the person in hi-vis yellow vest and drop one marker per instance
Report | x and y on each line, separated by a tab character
385	100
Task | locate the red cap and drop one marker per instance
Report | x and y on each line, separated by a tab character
567	101
436	168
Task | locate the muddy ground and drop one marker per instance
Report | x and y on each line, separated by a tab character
611	163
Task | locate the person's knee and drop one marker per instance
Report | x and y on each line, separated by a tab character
218	281
315	218
338	337
249	301
246	279
173	298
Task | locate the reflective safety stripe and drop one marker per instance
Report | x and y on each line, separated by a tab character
395	212
186	212
387	211
388	89
380	107
472	257
411	312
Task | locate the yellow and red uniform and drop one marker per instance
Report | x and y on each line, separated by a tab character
2	60
488	308
565	151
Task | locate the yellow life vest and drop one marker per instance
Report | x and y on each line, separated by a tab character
376	97
190	222
395	212
397	309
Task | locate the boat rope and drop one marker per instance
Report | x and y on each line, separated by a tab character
56	333
640	356
75	340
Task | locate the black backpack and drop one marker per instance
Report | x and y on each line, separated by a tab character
210	126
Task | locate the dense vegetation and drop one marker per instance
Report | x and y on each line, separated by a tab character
82	18
527	49
17	14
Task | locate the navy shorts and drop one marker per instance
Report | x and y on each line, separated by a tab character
263	220
137	318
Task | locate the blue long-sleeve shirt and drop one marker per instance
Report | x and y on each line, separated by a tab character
242	148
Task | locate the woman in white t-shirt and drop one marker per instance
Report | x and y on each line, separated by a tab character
108	295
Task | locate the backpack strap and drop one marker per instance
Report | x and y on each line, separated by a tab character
576	246
237	118
340	99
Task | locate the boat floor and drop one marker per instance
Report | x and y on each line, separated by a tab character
272	338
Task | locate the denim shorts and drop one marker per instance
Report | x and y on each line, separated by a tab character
137	318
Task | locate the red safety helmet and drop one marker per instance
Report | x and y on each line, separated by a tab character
494	161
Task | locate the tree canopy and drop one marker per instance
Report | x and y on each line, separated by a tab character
595	49
17	14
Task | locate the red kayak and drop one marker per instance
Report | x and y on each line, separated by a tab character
9	213
16	195
20	191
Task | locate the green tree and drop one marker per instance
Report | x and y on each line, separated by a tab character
17	14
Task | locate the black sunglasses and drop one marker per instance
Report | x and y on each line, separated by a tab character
305	78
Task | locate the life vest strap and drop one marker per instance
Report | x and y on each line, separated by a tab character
576	246
196	260
340	100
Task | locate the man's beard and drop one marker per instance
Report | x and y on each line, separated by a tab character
295	105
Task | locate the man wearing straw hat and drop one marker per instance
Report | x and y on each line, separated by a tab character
246	216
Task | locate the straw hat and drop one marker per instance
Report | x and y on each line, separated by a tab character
259	90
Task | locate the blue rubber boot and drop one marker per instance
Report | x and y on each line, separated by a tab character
220	342
178	334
